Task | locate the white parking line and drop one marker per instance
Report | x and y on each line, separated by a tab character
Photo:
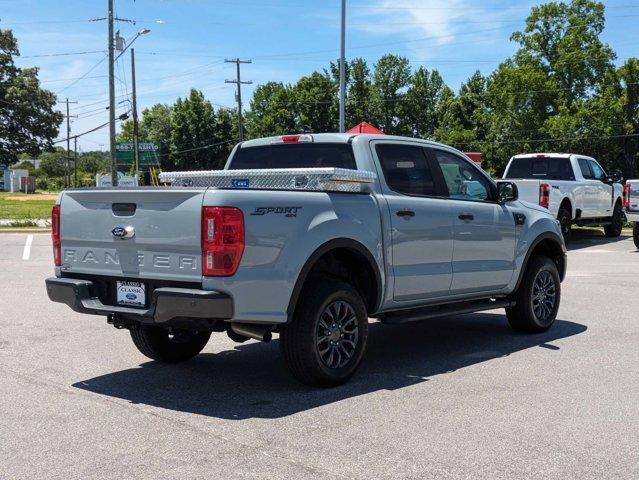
26	253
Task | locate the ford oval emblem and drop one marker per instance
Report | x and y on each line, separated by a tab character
131	296
123	232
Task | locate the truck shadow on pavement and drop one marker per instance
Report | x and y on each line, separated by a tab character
590	237
250	381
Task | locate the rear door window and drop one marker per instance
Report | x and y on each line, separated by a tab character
297	155
406	169
584	166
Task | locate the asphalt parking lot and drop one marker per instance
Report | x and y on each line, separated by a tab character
462	397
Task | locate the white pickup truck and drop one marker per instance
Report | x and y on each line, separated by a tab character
631	206
574	188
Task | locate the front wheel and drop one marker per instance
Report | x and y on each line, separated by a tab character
635	234
614	229
537	300
171	346
325	342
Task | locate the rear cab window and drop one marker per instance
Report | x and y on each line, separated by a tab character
297	155
540	168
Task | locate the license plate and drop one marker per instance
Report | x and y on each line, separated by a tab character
131	293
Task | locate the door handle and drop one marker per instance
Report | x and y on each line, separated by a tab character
405	213
466	217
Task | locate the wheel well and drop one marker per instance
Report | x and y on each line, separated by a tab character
553	250
346	264
565	203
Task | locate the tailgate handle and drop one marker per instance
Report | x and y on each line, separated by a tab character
123	209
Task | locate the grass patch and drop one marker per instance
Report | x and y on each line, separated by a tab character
18	206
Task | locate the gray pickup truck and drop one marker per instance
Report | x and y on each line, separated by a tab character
631	207
307	236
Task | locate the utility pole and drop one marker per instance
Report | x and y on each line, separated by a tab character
112	153
342	71
136	140
238	95
75	161
67	176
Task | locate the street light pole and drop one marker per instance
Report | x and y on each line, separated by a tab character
136	140
112	153
342	71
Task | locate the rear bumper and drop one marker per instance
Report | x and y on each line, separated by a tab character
166	303
632	216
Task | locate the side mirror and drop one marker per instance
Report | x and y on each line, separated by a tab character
507	192
616	176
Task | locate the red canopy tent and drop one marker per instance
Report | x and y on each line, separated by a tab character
364	127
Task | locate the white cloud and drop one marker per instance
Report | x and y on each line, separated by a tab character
428	27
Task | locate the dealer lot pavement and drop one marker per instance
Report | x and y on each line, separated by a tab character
463	397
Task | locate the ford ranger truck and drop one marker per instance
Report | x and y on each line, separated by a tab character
631	207
307	237
574	188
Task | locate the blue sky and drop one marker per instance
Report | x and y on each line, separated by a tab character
286	39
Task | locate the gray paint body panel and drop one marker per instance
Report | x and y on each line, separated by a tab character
416	258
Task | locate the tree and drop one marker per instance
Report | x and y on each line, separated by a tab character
629	76
154	126
359	105
273	111
419	109
94	162
390	80
226	131
463	121
53	163
315	103
192	133
28	122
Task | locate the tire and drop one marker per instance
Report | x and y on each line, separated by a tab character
635	234
565	221
535	315
168	346
307	342
614	229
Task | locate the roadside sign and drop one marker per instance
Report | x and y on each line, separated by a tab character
149	153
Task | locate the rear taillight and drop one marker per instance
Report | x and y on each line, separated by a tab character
222	240
544	195
626	195
55	235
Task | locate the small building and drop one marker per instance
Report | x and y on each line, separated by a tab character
13	179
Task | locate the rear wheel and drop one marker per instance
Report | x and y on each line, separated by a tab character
614	229
325	342
169	346
565	221
537	300
635	234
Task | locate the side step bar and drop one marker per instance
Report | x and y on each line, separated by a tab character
444	310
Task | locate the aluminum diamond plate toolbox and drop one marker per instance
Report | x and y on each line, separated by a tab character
307	179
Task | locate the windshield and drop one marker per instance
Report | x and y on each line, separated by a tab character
298	155
551	168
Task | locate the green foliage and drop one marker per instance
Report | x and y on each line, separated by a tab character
54	163
28	123
193	133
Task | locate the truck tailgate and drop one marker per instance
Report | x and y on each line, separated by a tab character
164	223
528	189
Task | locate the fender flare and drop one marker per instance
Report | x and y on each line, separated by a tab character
544	236
346	243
